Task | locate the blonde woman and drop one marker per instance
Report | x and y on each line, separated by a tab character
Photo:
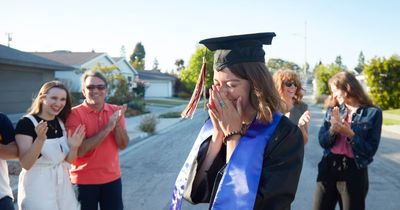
45	149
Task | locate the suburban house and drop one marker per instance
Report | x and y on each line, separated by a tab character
82	61
158	84
127	69
21	76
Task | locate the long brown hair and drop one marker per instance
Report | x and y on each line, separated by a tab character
36	107
263	95
348	83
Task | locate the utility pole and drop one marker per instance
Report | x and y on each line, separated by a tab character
305	49
9	38
122	51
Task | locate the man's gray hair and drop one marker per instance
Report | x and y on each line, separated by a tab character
93	74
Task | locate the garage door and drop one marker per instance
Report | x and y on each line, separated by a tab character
17	88
158	89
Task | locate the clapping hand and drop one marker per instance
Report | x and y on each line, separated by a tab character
41	130
116	116
304	119
339	125
75	139
336	122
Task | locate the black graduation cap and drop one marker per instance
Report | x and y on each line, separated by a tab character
231	50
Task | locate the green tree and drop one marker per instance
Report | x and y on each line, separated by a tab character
322	75
361	62
155	64
383	80
137	57
274	64
121	94
180	64
190	74
339	63
338	60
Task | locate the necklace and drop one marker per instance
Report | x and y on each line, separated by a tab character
245	126
54	127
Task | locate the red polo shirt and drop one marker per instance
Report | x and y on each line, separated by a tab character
101	165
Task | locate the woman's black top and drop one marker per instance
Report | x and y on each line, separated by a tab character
26	127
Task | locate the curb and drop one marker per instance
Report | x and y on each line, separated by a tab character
393	129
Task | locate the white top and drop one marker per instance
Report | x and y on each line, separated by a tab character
46	185
5	189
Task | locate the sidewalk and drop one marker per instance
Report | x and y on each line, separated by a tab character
136	135
391	128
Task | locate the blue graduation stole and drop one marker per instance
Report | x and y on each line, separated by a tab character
182	179
239	184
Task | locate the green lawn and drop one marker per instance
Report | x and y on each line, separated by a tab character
387	121
390	121
393	111
170	115
166	102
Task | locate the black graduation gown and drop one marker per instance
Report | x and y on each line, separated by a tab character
283	161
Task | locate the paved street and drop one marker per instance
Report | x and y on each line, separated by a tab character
384	172
151	166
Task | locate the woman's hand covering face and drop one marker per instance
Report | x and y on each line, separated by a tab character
226	117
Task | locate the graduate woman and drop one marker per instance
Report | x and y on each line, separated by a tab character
247	155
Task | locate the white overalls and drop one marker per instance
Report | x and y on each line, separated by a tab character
46	186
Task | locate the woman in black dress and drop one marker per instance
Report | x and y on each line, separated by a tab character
247	155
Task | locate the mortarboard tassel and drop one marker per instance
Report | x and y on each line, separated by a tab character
199	88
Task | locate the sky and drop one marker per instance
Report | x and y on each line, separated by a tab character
307	30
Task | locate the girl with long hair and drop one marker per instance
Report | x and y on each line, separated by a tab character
350	135
247	155
45	149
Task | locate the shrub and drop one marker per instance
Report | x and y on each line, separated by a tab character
183	95
76	98
140	89
170	115
121	94
148	124
137	104
322	75
383	79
